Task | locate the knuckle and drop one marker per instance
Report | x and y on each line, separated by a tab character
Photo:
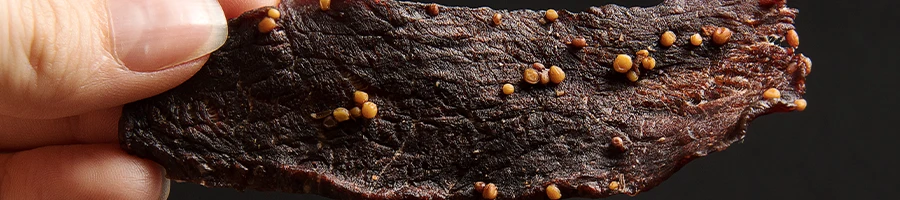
53	46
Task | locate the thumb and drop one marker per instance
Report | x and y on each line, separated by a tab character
66	57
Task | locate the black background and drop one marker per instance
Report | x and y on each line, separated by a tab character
843	146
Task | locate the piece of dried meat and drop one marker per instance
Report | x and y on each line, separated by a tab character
594	119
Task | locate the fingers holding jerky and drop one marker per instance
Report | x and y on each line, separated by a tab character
460	96
48	107
67	57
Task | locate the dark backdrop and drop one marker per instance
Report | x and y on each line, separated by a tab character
844	146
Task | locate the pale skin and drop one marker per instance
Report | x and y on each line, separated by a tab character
60	102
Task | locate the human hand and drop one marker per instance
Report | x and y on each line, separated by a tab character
66	69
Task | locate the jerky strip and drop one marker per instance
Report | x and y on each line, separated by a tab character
443	122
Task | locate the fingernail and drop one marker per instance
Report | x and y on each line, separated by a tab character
166	185
151	35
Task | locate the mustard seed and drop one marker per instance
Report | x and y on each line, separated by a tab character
531	76
579	42
614	185
325	5
792	38
479	186
696	39
772	93
551	15
355	112
369	110
808	63
618	143
274	13
622	63
632	76
489	191
557	75
721	35
508	89
538	66
648	63
432	9
545	77
553	192
360	97
667	39
801	104
267	25
341	114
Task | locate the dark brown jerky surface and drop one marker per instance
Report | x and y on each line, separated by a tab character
244	121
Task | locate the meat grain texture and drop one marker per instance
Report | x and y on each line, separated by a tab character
443	122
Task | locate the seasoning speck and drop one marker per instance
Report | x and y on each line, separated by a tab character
560	93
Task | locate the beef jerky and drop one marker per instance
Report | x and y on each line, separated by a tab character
258	115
